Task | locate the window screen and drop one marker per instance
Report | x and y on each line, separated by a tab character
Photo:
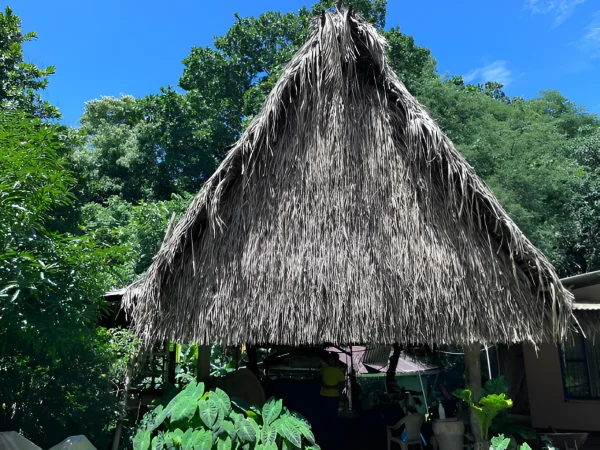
581	368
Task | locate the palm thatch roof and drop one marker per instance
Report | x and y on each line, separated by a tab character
344	214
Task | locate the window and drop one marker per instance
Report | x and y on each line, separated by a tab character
581	368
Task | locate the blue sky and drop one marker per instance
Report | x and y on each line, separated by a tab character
134	47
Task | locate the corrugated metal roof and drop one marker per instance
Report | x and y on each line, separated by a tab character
378	358
586	306
581	281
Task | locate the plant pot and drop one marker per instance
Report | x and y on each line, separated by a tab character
449	433
482	445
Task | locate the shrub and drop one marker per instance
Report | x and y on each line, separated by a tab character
488	408
198	420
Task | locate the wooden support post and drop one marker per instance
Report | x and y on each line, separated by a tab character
203	363
473	382
473	370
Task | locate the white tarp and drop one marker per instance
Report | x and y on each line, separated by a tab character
74	443
11	440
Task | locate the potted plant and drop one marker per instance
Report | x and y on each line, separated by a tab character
484	411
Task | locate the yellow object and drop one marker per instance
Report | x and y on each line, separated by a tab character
331	376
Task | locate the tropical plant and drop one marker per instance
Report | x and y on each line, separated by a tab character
199	420
502	443
486	410
503	423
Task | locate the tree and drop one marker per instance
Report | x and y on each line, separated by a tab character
578	239
44	275
170	143
137	230
20	82
55	362
517	148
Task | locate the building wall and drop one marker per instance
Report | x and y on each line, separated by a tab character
546	394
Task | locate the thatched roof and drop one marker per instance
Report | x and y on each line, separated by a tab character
345	215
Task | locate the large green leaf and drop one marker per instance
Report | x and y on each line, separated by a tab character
271	446
271	411
489	408
229	429
304	428
465	395
184	408
157	442
218	421
497	385
186	440
183	405
169	442
268	434
255	426
224	444
202	440
159	418
141	441
500	442
177	436
197	392
209	412
286	426
245	430
222	401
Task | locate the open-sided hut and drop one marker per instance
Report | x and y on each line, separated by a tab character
343	214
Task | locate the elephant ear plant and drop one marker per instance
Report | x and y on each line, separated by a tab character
487	408
198	420
501	443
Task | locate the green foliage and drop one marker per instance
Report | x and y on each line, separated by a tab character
20	82
195	419
579	238
497	385
487	408
152	147
49	281
59	371
501	443
47	397
520	152
135	230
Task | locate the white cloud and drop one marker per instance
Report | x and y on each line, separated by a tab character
589	42
560	9
496	71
